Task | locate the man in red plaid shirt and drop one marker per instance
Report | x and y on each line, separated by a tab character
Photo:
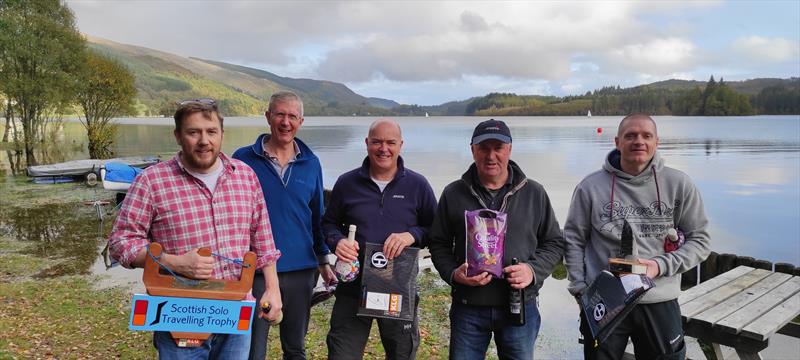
199	198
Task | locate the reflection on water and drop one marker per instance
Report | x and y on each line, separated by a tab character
66	232
746	167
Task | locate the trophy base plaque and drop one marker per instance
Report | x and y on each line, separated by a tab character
626	266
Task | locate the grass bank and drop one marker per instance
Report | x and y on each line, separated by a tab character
66	317
50	306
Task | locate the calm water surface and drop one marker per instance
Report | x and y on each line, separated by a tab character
747	170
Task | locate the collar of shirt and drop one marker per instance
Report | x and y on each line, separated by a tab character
273	157
493	198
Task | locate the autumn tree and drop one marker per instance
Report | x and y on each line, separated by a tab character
106	90
40	54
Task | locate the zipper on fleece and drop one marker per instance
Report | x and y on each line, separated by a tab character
505	197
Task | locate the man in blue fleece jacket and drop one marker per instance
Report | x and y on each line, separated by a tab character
291	180
390	205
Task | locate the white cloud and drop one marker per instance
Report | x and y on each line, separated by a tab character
757	48
461	48
572	88
658	56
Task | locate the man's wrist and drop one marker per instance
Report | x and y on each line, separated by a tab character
533	273
170	261
411	239
453	276
324	259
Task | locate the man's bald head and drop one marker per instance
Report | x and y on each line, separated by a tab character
635	116
385	122
384	142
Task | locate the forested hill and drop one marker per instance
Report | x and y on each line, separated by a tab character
162	79
671	97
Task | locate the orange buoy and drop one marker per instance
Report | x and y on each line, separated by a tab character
599	130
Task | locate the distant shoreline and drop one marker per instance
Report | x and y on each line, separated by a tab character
259	120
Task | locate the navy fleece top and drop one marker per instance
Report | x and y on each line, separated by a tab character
294	203
406	204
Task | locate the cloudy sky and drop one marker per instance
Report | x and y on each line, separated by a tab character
423	52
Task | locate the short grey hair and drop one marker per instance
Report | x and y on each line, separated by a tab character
285	96
636	116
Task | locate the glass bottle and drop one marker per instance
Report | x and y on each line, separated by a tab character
347	271
516	303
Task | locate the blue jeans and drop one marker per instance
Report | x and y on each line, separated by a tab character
471	329
218	346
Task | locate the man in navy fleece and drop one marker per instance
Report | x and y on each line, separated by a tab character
390	205
291	179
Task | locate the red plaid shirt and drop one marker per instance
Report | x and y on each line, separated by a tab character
167	205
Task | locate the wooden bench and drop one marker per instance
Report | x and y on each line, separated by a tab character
741	309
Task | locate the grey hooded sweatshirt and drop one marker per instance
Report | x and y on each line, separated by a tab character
657	199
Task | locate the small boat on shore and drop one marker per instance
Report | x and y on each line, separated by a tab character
118	176
54	173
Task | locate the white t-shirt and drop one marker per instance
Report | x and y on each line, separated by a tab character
210	179
381	184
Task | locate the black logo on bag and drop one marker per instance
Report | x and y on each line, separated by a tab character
158	313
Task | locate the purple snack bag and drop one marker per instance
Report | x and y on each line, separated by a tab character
486	233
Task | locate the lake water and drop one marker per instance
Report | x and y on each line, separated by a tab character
747	170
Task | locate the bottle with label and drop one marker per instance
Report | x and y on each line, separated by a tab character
674	239
347	271
516	303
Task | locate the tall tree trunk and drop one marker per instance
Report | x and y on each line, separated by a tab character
8	120
29	136
93	153
30	157
5	132
16	133
14	162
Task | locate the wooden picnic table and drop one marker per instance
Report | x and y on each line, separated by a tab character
742	308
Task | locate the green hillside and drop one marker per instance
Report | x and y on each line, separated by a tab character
747	87
323	93
162	79
670	97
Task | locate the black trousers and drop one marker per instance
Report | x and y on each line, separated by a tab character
655	329
296	289
349	333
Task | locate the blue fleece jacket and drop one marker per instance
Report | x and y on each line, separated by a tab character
295	204
407	204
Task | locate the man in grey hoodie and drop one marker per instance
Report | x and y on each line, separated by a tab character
635	186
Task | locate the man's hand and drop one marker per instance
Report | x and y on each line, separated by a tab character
460	276
346	250
395	244
272	297
192	265
652	267
519	276
328	277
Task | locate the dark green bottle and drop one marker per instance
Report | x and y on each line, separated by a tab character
516	303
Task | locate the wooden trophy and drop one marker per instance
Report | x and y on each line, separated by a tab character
626	262
158	284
